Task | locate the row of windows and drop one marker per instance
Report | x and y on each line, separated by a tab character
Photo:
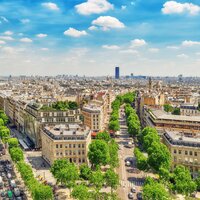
186	152
59	114
70	146
66	153
70	119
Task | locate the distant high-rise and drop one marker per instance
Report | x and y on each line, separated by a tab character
116	72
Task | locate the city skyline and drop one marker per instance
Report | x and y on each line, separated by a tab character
91	37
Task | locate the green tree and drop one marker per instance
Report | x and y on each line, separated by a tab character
65	172
80	192
72	105
16	154
183	182
153	190
197	181
114	125
168	108
85	172
158	156
113	151
98	153
111	179
103	136
13	142
42	192
133	128
141	160
4	117
176	111
1	122
4	133
97	179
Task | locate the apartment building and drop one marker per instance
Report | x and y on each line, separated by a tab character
184	149
189	109
93	117
65	141
36	118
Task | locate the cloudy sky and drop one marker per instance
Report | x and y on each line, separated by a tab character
91	37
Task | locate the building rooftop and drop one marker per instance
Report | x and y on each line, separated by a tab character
92	108
67	132
178	138
162	115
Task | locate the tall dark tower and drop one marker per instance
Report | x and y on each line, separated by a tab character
116	72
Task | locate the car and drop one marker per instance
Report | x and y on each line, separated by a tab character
1	168
12	183
3	194
130	195
9	176
18	198
10	194
139	196
16	192
128	163
133	189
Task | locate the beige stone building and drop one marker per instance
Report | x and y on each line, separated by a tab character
65	141
184	149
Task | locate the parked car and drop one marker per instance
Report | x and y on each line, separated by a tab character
133	189
12	183
139	196
16	192
3	194
130	195
9	176
128	163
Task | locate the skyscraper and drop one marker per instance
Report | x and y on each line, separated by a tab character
116	72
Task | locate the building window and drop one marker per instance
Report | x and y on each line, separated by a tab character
79	160
175	151
70	145
83	145
186	152
79	145
56	145
195	153
190	153
57	153
175	159
179	151
74	145
83	160
83	152
74	152
60	145
66	146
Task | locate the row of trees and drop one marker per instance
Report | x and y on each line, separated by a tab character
159	159
132	120
62	105
4	131
38	191
103	151
127	98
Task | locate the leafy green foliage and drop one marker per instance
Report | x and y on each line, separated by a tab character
4	117
13	142
85	172
111	179
80	192
65	172
99	153
159	156
1	122
113	151
16	154
42	192
182	180
141	160
176	111
153	190
168	108
4	133
114	125
103	136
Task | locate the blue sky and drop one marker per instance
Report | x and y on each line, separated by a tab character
91	37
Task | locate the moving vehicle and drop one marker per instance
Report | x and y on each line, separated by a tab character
12	184
130	195
128	163
133	189
16	192
139	196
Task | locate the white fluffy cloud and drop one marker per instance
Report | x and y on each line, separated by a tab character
173	7
93	28
25	21
93	7
2	42
8	38
107	22
41	35
26	40
173	47
50	6
74	32
111	47
8	33
182	55
138	43
189	43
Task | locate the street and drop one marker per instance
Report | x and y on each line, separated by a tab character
129	176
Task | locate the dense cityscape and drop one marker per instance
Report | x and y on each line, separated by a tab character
99	100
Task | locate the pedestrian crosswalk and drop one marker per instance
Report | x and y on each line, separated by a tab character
131	184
